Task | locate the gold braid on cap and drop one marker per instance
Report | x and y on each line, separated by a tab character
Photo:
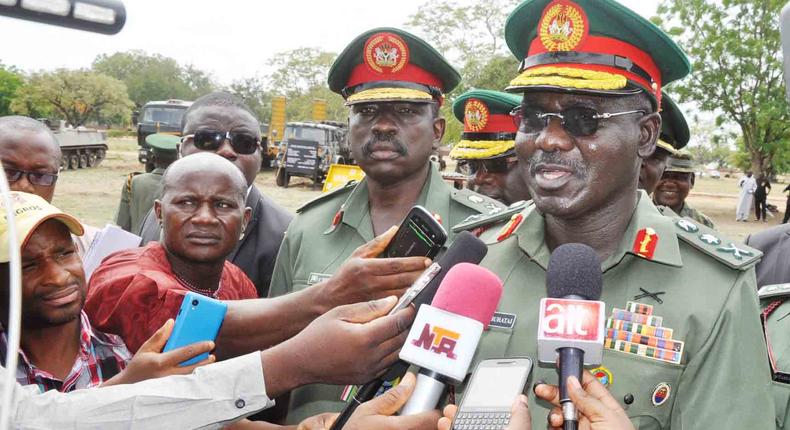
467	149
569	77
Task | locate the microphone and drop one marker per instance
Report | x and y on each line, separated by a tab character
444	336
466	248
571	321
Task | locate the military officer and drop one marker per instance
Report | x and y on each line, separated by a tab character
485	151
684	344
139	191
674	136
393	84
674	187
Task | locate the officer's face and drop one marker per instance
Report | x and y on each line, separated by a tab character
571	175
673	188
492	177
53	282
32	152
652	169
226	118
202	214
392	141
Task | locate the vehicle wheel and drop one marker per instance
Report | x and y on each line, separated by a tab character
83	161
74	161
282	178
64	163
93	159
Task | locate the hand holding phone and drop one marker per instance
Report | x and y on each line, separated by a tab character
199	319
419	235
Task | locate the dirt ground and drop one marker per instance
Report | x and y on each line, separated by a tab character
92	194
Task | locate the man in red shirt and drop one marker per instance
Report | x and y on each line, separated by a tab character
203	215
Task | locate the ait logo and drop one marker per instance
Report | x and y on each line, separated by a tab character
438	340
563	26
475	115
386	53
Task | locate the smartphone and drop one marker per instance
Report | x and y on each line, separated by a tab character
489	396
419	235
198	320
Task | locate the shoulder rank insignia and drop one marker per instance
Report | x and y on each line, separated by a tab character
478	202
510	227
645	243
709	241
472	222
325	196
773	290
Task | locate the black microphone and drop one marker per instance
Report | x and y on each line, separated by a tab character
574	273
466	248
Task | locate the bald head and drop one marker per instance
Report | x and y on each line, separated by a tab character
28	145
208	163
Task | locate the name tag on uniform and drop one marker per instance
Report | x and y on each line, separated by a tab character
503	320
317	277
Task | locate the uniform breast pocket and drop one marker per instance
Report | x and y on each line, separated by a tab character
643	386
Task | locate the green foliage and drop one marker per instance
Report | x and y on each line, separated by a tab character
78	96
115	133
10	81
255	94
154	77
735	50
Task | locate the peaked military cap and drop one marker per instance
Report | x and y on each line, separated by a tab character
591	46
674	128
680	162
389	64
163	142
489	130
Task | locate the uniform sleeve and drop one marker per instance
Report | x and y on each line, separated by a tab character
211	397
726	384
133	307
282	275
123	218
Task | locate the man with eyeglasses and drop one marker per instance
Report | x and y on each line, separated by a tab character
485	152
31	160
682	319
393	84
221	123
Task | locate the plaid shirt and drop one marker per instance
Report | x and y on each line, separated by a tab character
101	356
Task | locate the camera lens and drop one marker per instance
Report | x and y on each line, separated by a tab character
194	302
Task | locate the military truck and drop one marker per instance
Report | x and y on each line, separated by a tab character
158	117
314	147
81	147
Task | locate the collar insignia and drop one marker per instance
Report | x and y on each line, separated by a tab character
510	227
645	243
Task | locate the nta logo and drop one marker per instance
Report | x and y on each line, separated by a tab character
438	340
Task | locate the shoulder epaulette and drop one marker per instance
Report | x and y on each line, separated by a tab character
323	197
732	253
129	181
480	203
483	220
773	290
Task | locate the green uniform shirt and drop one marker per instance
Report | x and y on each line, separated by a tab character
709	300
690	212
137	198
314	248
777	325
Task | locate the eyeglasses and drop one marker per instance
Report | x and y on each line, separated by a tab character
35	178
212	140
578	121
496	165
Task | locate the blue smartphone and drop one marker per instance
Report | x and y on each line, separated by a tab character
198	320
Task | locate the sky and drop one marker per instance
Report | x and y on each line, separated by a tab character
231	39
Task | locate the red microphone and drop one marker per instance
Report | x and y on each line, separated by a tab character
571	321
444	336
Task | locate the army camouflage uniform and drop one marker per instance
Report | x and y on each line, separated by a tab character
137	198
324	234
690	212
703	286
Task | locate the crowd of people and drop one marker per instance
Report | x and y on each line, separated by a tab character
583	147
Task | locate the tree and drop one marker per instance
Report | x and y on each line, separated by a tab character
735	51
78	96
10	80
254	93
154	77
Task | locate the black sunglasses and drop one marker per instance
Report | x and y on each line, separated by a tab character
578	121
212	140
35	178
496	165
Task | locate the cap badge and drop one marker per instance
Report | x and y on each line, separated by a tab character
386	53
475	115
563	26
645	243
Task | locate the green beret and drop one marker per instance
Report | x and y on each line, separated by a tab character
389	64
